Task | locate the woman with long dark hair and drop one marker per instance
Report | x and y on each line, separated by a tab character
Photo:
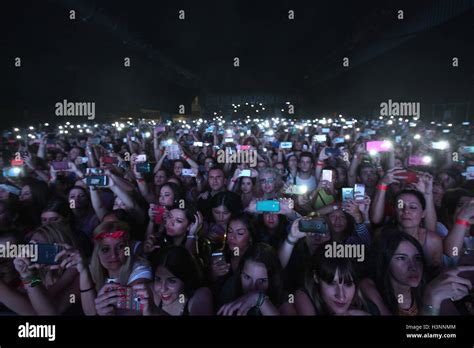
331	287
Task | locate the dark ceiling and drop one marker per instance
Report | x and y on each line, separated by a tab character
173	60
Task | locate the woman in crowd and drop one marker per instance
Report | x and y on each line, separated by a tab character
223	206
259	286
398	282
112	267
330	287
269	183
177	287
48	288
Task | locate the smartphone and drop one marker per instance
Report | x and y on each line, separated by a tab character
305	147
198	143
320	138
97	180
228	140
17	162
409	177
186	131
84	159
339	140
128	299
359	190
398	139
13	172
160	129
268	206
419	161
297	190
439	145
143	167
160	213
327	175
46	254
347	194
325	130
58	166
469	149
245	172
210	129
94	171
244	147
187	172
379	146
141	158
109	160
469	173
317	225
275	144
286	145
335	152
174	151
95	141
218	255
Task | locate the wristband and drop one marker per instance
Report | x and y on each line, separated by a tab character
191	236
382	187
87	290
289	241
32	282
462	222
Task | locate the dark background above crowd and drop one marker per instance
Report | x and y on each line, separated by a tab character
173	60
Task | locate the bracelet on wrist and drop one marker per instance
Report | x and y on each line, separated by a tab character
288	240
382	187
191	236
462	222
87	290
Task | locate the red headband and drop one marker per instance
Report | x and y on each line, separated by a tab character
115	235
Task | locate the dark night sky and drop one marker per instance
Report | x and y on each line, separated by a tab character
173	60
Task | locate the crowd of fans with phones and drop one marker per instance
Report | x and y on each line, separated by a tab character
244	217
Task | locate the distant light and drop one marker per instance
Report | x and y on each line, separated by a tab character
46	124
147	134
417	136
347	136
31	127
427	159
16	129
60	127
18	136
287	103
67	123
282	110
263	108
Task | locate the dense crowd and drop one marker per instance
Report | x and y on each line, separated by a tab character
248	217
